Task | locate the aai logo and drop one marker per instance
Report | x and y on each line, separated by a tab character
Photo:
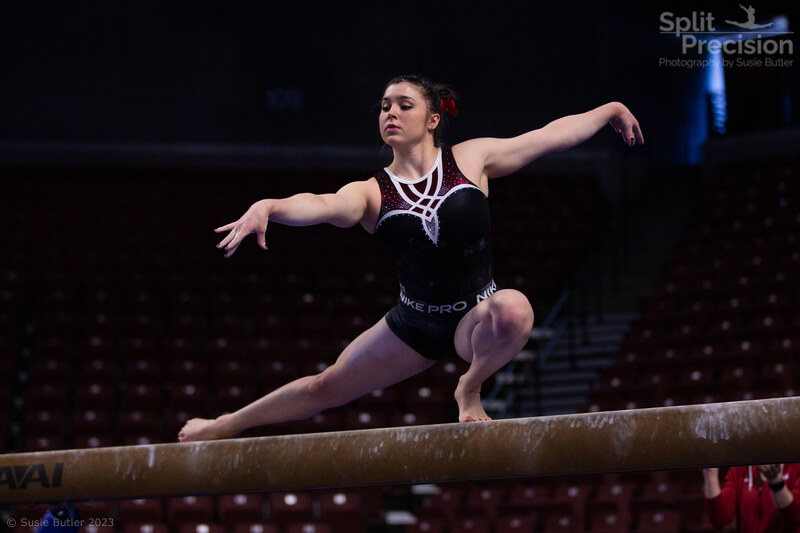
19	477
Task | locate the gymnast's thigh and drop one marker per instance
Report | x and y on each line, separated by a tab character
376	359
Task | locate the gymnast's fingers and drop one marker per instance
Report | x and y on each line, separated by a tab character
261	236
637	131
226	227
231	249
238	235
228	238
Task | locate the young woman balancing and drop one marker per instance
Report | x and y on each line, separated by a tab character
429	209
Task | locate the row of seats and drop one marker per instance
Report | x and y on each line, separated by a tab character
722	322
606	504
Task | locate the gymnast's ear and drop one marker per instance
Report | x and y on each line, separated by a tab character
433	122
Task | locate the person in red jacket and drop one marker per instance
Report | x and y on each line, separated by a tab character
763	499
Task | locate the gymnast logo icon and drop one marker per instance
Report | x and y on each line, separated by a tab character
751	20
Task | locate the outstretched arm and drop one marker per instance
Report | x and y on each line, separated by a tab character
502	157
345	208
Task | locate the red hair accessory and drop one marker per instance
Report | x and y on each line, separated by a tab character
449	107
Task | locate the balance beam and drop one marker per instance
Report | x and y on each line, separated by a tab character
692	436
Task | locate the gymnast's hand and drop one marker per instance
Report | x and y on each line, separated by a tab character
253	221
627	126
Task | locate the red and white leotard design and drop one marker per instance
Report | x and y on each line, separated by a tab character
422	197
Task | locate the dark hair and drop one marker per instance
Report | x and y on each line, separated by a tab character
433	93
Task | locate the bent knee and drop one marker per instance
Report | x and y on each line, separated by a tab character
511	312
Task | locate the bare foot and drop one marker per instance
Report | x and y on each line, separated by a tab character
204	429
469	405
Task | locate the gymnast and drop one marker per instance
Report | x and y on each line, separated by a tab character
429	210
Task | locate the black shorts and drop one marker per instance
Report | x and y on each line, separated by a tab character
430	328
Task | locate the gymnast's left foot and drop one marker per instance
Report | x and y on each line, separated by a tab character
203	429
469	405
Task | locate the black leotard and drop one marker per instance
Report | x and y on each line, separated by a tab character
438	233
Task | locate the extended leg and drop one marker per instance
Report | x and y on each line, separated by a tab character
488	337
375	360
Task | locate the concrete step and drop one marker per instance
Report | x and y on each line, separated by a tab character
560	390
584	351
563	364
570	376
551	407
611	318
579	344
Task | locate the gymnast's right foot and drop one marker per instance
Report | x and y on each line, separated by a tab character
204	429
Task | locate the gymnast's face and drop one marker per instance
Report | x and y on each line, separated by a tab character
405	118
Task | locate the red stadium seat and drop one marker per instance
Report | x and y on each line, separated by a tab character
92	441
614	496
190	509
98	347
43	443
51	368
427	525
277	372
234	509
201	527
609	522
142	368
190	324
342	511
355	420
308	527
142	396
97	528
188	370
658	521
133	439
232	397
516	524
137	422
475	524
657	494
572	496
180	348
291	507
97	368
45	421
141	511
93	421
482	501
443	505
187	396
146	527
229	325
409	418
256	528
45	394
379	399
95	395
100	512
330	420
562	521
523	499
233	371
139	347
